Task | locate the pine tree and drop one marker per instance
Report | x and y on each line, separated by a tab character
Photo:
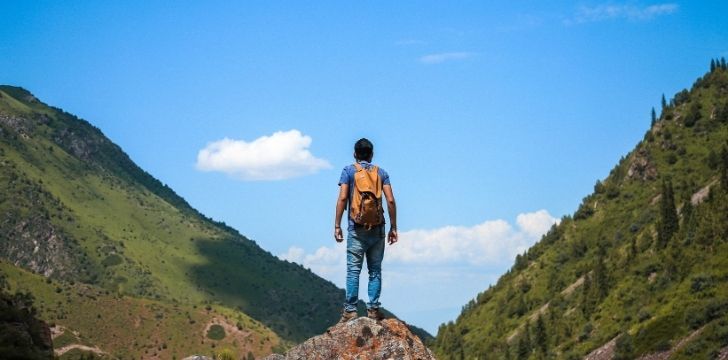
507	352
664	103
654	117
712	65
724	168
624	349
633	248
524	344
601	280
668	224
687	229
722	63
541	336
586	296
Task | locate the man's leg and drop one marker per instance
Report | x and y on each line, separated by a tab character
375	254
354	260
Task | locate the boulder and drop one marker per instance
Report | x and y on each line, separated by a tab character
361	339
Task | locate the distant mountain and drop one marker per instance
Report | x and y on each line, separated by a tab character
641	268
77	210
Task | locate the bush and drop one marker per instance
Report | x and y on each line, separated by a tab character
624	349
704	313
216	332
693	115
584	211
700	283
655	336
643	315
671	158
225	354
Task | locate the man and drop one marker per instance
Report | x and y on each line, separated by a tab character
364	239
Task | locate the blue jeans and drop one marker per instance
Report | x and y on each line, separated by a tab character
361	242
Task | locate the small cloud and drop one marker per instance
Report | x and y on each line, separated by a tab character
440	58
536	223
327	262
521	23
586	14
282	155
410	42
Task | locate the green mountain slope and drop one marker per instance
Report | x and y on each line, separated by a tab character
74	207
640	268
134	327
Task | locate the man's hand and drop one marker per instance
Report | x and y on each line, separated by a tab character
338	235
392	237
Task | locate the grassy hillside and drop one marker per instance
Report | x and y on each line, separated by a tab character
75	208
639	268
127	327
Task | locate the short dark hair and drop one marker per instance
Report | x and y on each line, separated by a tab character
363	149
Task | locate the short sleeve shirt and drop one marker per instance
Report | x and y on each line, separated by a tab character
347	177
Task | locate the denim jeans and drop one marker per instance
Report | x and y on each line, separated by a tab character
361	243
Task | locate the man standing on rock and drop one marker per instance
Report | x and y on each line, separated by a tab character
361	187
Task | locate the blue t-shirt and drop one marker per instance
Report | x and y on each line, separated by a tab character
347	177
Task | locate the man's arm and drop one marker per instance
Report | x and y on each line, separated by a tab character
392	211
340	206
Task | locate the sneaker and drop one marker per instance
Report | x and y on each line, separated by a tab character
347	315
375	314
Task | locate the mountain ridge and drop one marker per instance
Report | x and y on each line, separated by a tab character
77	209
637	265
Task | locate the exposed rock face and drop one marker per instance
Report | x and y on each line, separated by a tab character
604	352
641	167
36	245
362	339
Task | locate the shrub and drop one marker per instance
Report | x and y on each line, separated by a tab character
693	115
700	283
671	158
216	332
225	354
624	349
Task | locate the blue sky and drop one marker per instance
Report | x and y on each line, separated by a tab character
480	111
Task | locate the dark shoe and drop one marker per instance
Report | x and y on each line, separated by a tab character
375	314
347	315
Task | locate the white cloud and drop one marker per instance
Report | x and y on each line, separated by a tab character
279	156
603	12
409	42
327	262
439	58
536	223
493	242
440	267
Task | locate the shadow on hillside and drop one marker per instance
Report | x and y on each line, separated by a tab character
292	301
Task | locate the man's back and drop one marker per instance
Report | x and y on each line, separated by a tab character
347	177
364	242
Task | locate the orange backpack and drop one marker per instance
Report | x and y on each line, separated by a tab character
366	201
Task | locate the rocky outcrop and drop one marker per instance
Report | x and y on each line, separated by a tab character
604	352
362	339
642	167
36	245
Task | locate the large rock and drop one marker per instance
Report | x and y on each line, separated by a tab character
361	339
